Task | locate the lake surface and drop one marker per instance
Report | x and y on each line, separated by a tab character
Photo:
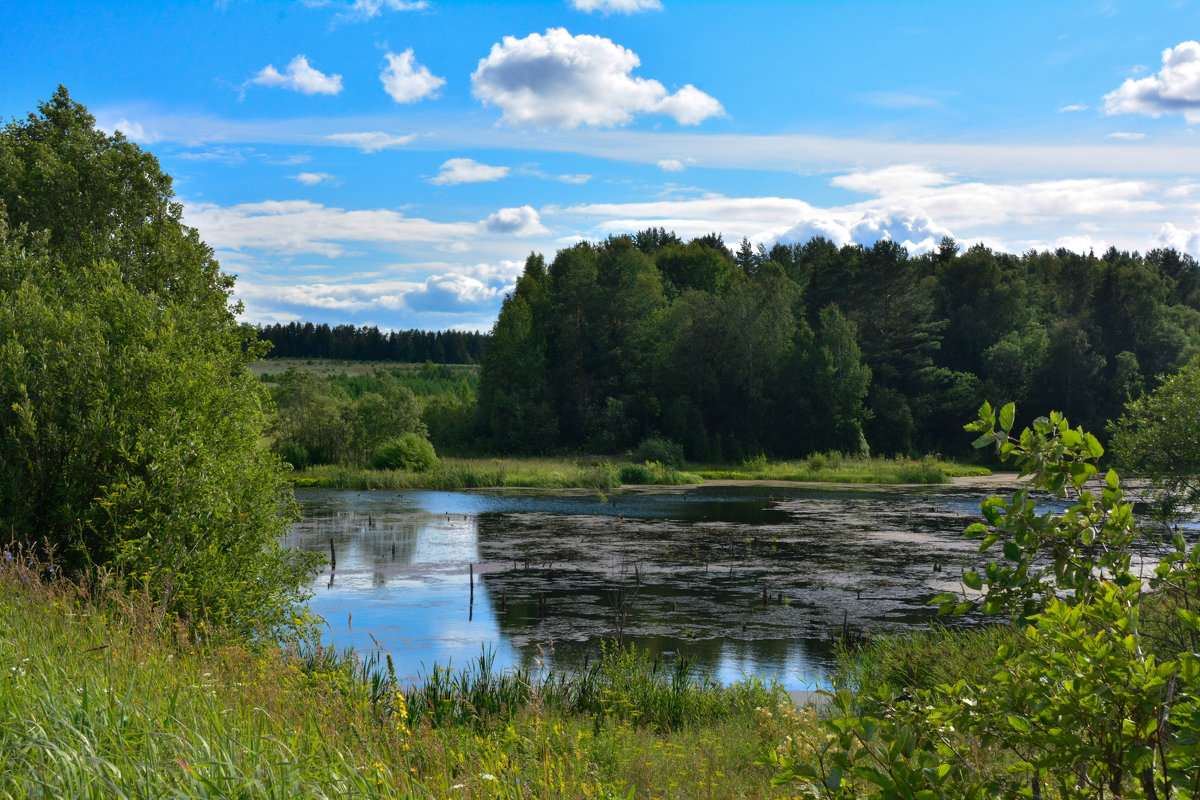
678	572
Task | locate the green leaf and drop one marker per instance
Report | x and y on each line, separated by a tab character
1007	414
1018	723
1111	480
972	580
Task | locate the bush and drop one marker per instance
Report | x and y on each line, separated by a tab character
134	445
661	450
407	451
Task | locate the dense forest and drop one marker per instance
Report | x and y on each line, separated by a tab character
368	343
810	347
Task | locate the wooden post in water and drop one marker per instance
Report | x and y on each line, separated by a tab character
332	556
472	579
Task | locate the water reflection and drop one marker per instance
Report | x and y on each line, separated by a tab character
744	580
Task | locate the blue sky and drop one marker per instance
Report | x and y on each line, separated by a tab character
393	163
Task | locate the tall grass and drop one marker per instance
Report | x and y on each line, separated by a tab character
839	468
923	659
455	473
101	698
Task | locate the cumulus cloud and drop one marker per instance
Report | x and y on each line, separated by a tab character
1184	239
371	141
298	77
312	178
566	81
406	81
1175	89
907	203
467	170
616	6
670	165
522	221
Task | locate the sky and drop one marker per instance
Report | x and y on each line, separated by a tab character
394	162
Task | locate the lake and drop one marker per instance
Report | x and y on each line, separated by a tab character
744	580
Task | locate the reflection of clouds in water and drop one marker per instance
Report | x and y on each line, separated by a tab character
694	563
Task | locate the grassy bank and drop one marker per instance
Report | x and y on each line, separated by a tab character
837	468
551	473
469	473
102	699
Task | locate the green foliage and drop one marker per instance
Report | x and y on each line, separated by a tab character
664	451
83	196
1157	437
323	420
407	451
130	426
133	446
1082	708
813	347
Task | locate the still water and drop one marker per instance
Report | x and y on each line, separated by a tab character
744	580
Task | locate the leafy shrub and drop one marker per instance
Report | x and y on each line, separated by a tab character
407	451
664	451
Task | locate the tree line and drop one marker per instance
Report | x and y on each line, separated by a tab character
807	347
368	343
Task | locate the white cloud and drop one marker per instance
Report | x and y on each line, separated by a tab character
616	6
371	141
1184	239
299	77
313	178
291	227
361	10
562	80
910	204
467	170
1175	89
231	156
406	81
670	165
1126	136
301	226
467	295
1072	107
890	180
522	221
577	179
132	131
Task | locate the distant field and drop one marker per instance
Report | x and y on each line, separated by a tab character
333	366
